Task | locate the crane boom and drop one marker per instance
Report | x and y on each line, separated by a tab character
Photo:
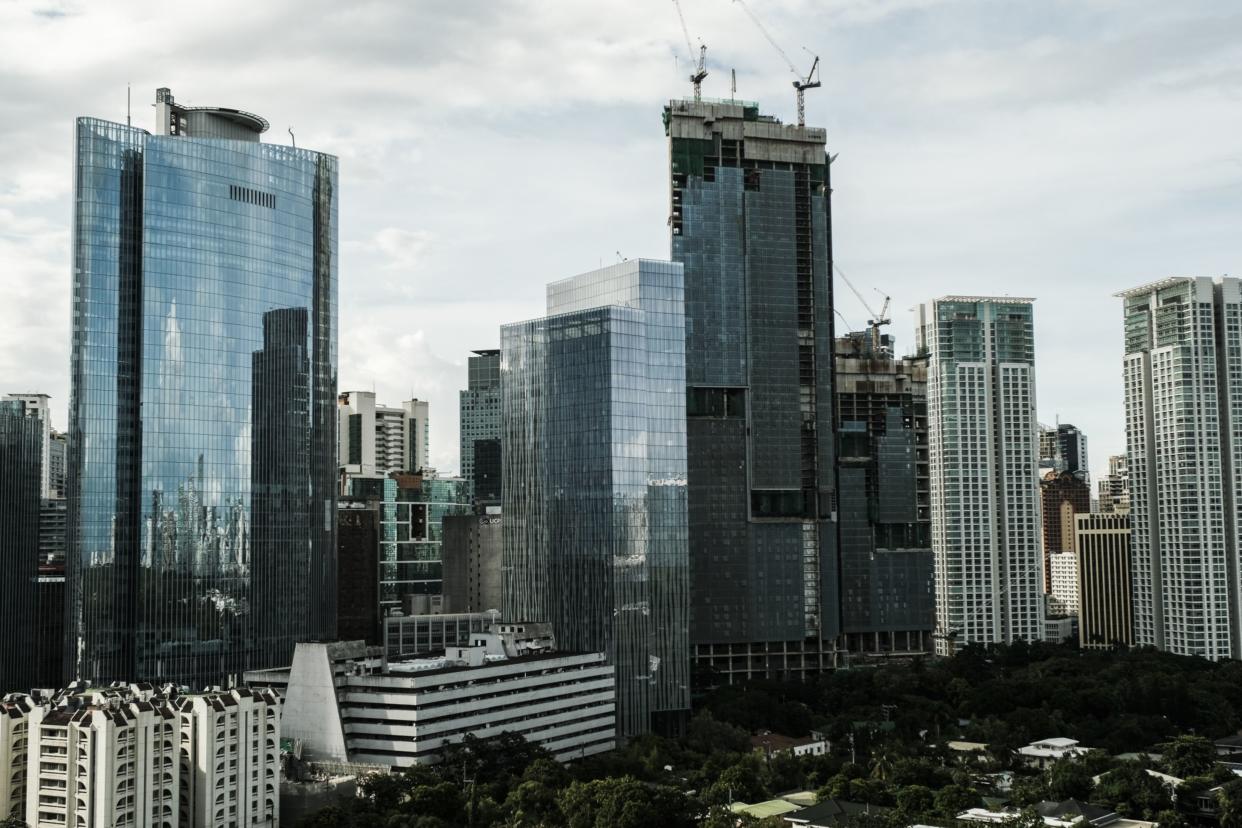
877	320
801	84
764	32
700	72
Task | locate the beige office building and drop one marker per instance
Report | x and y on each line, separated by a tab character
1105	602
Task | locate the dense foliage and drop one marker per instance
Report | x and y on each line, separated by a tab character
889	727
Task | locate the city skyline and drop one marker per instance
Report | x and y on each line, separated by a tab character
999	154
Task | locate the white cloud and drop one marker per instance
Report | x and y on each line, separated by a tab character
1062	149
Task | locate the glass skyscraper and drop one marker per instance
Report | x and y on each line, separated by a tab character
750	220
480	423
594	453
21	472
201	532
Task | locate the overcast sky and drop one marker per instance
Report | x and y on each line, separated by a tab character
1061	150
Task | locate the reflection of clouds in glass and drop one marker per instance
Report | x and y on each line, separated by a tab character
174	359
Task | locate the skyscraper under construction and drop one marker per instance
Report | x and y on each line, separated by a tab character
751	223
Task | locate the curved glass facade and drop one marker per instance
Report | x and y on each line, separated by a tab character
594	481
203	415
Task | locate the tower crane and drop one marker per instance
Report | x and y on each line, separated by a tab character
811	81
700	70
877	319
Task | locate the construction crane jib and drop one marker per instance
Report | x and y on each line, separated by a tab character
811	81
700	70
877	319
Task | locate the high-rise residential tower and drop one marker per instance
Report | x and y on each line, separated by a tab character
1114	487
480	418
1063	448
751	222
202	433
593	439
21	451
887	602
1062	495
375	441
1183	392
983	447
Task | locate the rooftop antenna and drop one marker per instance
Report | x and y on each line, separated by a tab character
699	71
733	87
291	138
128	119
811	81
621	258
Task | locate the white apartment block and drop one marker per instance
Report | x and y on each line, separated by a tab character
345	703
374	440
14	733
1183	398
1063	576
143	757
230	743
983	451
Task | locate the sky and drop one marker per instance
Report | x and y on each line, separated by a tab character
1058	150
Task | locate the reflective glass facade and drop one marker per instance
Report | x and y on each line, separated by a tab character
480	421
201	489
750	221
21	453
594	480
412	537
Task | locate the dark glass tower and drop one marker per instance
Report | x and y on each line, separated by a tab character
750	220
21	452
887	595
201	531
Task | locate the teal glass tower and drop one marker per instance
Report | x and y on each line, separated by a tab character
201	491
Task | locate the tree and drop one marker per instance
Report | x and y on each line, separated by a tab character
1068	779
741	781
915	802
951	800
532	803
1229	798
443	801
1132	792
1188	756
625	803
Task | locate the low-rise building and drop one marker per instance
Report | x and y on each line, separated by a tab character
1060	628
346	702
1045	752
1070	813
769	744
